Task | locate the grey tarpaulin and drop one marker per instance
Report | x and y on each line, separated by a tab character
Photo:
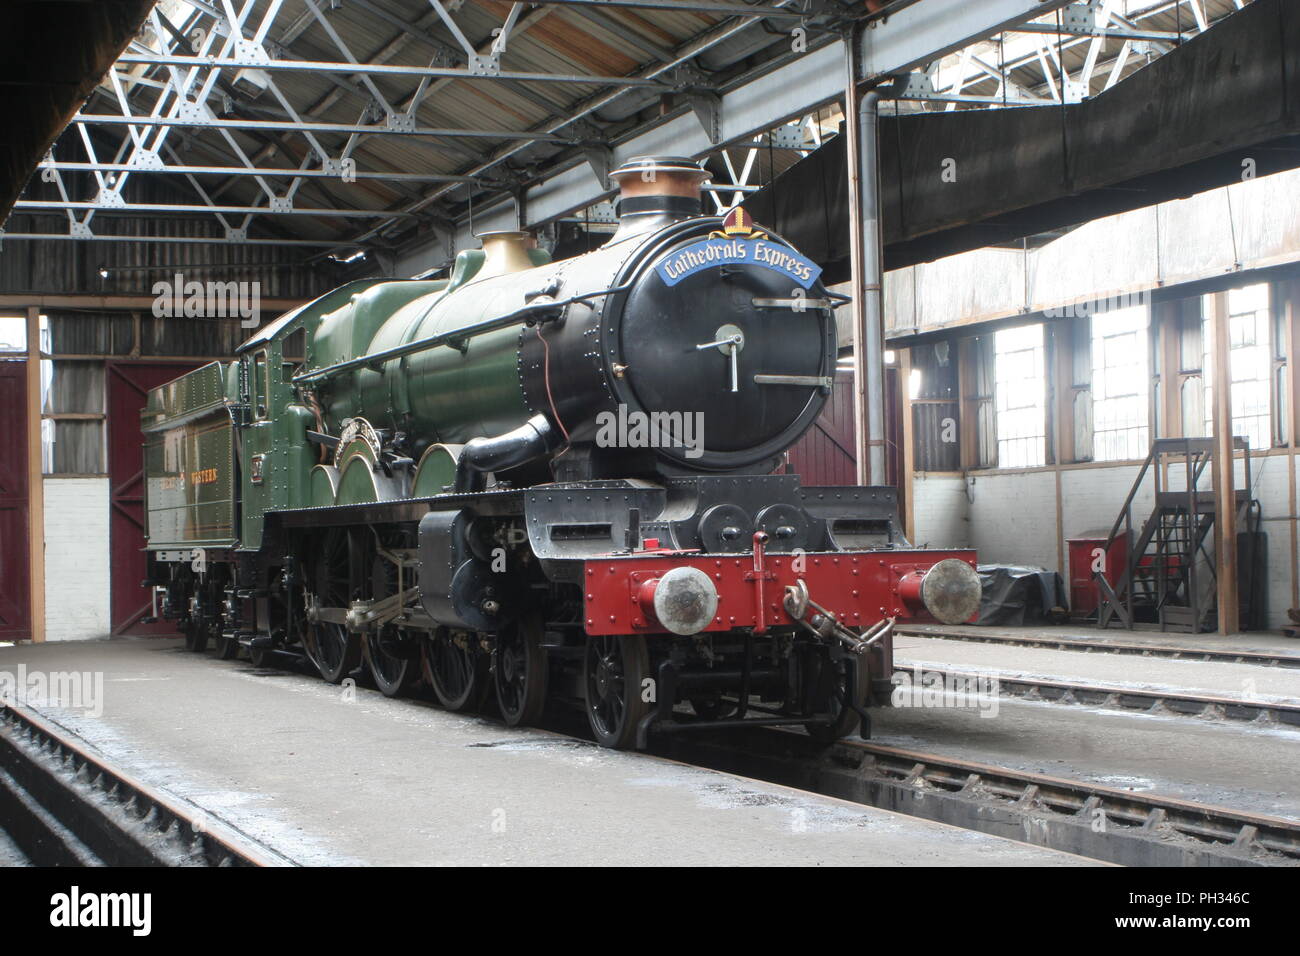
1010	594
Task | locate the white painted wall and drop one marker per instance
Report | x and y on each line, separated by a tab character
1269	477
1013	517
1091	498
1010	517
76	558
942	512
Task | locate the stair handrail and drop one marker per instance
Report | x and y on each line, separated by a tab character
1125	516
1159	448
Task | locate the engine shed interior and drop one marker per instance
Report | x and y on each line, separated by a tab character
871	423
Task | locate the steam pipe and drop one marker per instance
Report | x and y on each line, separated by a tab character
530	441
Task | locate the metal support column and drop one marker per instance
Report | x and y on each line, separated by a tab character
1291	307
861	125
1225	496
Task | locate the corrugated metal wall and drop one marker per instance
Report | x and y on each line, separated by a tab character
935	409
63	267
113	333
76	386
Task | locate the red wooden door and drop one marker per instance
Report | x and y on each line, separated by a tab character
894	386
825	454
15	569
128	387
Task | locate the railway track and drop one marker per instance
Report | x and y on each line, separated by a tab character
1109	697
65	806
1108	647
1123	809
1071	815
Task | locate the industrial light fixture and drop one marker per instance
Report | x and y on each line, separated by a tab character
252	82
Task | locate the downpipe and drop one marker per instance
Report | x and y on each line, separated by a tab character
872	346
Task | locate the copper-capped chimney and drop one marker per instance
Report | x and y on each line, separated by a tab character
656	190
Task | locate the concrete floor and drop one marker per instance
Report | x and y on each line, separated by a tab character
10	855
324	779
1268	642
1217	678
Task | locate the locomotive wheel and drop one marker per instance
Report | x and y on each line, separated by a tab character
454	668
833	674
334	650
227	646
196	636
519	669
615	669
261	657
391	656
392	659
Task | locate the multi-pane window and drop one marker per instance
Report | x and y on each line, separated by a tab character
1250	361
1021	397
13	333
1120	377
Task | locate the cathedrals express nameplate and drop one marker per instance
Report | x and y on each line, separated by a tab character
738	243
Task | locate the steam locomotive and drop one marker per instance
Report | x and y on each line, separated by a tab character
543	481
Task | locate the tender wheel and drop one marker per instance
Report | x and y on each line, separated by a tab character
261	657
519	669
392	657
334	650
614	674
454	668
829	683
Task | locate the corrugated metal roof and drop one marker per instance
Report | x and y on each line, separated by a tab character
1031	72
610	40
613	41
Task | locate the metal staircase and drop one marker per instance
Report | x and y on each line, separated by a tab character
1168	577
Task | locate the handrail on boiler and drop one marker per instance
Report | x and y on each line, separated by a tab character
532	314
